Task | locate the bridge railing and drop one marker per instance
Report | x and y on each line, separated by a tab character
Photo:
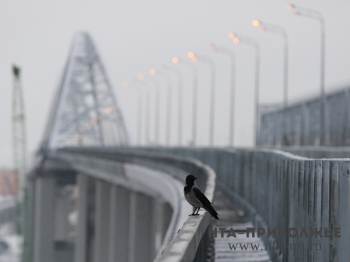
300	123
190	242
278	190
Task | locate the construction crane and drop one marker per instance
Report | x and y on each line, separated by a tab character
19	145
18	131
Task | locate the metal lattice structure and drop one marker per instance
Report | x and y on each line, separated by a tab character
18	129
85	111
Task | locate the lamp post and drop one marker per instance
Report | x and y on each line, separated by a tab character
225	51
278	30
139	111
316	15
156	106
179	97
176	60
153	71
195	58
239	39
148	109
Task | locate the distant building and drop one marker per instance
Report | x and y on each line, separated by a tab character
8	182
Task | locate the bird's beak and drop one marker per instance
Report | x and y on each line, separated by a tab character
195	178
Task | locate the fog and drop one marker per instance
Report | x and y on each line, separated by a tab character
134	36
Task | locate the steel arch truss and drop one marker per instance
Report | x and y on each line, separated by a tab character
85	111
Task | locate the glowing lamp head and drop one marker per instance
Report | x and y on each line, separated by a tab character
231	35
290	6
175	60
152	71
262	29
109	110
256	23
126	84
142	76
236	40
295	13
191	55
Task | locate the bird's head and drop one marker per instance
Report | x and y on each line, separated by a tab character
190	179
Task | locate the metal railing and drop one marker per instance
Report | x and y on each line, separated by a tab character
278	190
300	124
188	244
275	190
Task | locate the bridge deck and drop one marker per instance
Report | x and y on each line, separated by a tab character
241	249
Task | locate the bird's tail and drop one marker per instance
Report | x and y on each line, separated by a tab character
211	210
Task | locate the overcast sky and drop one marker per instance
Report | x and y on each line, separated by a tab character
133	36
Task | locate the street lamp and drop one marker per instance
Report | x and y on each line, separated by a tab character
139	110
239	39
195	58
179	97
225	51
316	15
176	60
156	107
141	77
153	71
278	30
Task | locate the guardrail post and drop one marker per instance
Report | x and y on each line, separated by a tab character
61	216
101	221
328	171
80	240
318	206
132	227
159	224
166	217
119	224
344	211
29	235
334	208
141	241
44	217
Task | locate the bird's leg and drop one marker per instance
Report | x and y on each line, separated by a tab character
194	211
198	211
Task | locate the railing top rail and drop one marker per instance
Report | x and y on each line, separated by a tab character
292	155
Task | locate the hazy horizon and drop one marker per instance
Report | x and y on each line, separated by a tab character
134	36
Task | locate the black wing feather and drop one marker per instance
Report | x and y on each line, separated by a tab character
199	194
205	202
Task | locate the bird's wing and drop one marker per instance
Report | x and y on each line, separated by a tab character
199	194
205	202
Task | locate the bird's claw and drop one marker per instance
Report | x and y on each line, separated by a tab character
193	215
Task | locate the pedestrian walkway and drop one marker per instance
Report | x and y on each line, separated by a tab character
240	248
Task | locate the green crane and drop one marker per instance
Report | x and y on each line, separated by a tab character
19	149
18	130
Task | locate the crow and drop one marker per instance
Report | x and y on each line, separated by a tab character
196	197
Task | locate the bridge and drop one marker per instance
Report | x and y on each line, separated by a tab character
94	197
